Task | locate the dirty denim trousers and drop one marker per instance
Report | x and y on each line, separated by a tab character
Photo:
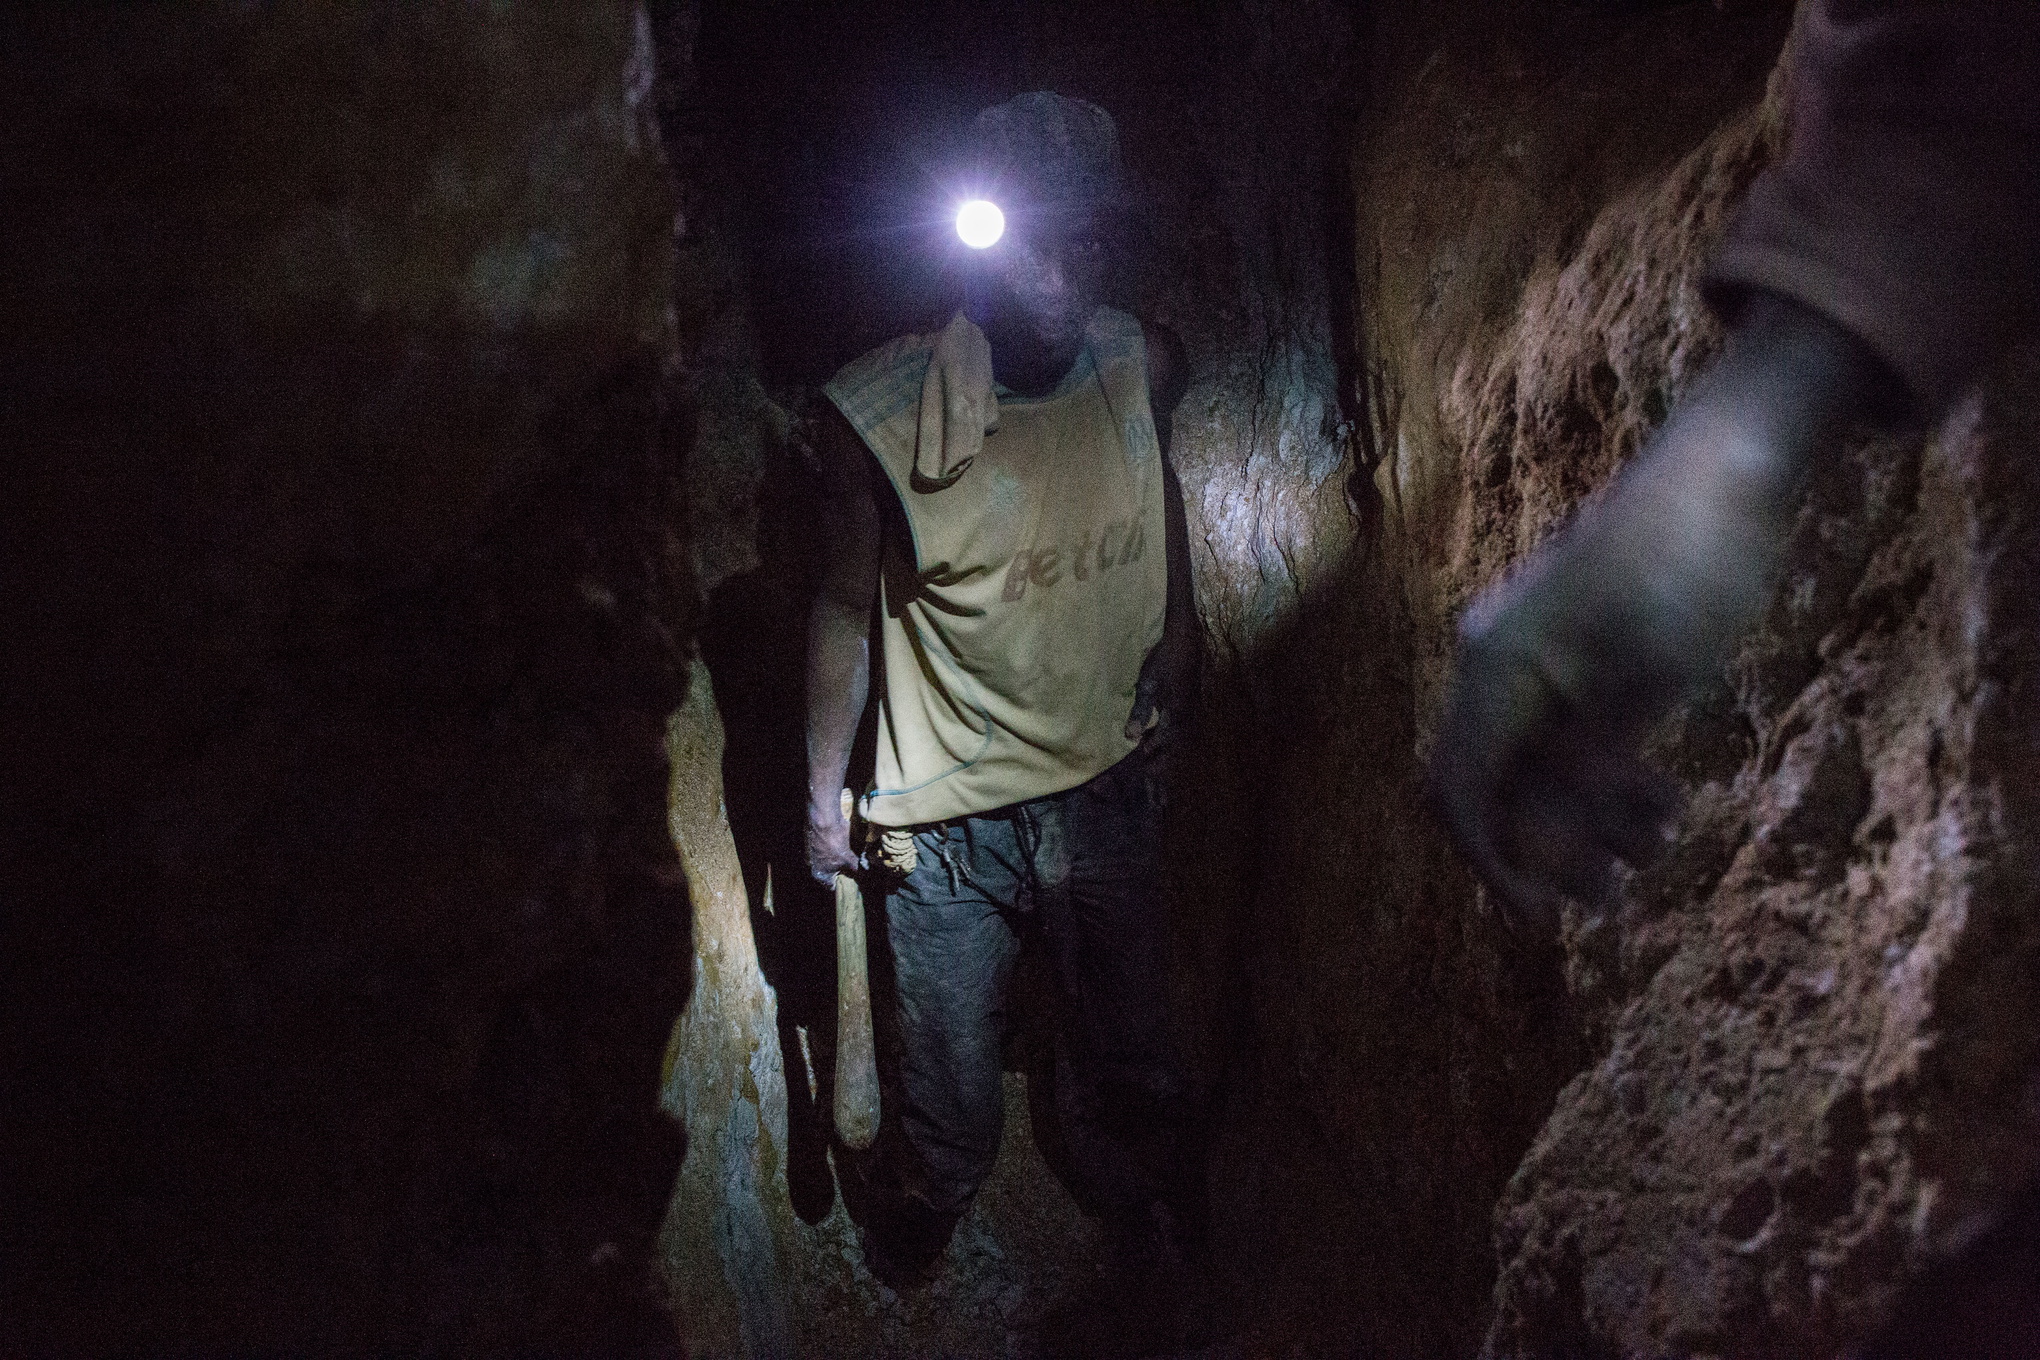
1080	869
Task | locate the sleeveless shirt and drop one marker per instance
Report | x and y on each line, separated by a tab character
1014	620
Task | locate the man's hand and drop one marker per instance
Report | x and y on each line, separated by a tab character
1542	791
1566	665
1147	714
839	633
828	844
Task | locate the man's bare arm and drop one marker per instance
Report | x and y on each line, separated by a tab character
839	640
1176	692
1168	683
1564	665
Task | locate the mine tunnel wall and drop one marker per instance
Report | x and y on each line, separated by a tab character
1529	196
409	592
1811	1030
347	588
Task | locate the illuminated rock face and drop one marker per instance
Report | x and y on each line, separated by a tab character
343	577
729	1228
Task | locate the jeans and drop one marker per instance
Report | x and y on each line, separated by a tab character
1076	871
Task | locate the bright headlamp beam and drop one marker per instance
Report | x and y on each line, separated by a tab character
980	223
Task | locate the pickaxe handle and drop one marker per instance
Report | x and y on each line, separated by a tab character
856	1054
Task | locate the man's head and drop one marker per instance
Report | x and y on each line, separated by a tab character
1052	165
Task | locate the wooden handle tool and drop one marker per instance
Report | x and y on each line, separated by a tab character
856	1054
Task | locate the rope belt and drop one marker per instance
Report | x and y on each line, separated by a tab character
896	851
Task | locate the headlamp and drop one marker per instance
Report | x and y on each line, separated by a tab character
980	223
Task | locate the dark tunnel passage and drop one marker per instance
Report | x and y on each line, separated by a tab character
410	947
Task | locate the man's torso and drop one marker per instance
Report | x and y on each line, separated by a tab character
1018	607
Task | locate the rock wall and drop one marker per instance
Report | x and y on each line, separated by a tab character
346	577
1532	190
729	1230
1230	120
1377	1061
1810	1032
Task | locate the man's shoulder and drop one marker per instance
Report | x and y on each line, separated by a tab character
1168	367
877	386
1112	325
1117	334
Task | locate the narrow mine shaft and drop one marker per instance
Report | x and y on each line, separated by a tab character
489	478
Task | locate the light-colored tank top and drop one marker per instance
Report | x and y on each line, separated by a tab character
1013	625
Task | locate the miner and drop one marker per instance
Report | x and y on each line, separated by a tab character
1869	278
1005	585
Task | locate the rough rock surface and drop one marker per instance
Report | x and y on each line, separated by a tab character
725	1244
1819	1070
1239	252
1814	1024
1376	1061
343	930
1790	1068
